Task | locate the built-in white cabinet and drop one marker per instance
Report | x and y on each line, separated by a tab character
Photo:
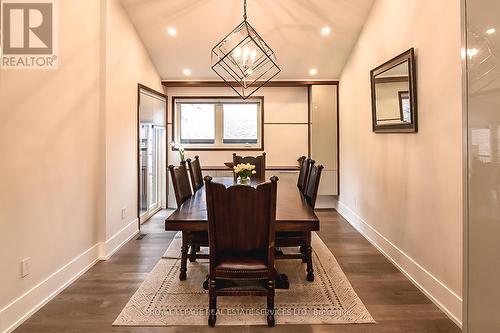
324	136
283	174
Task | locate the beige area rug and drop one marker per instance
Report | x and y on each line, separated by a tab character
163	300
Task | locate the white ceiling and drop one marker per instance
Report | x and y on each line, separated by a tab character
290	27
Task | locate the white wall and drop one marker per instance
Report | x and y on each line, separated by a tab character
68	141
404	191
49	169
127	63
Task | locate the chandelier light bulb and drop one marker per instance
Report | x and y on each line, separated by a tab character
246	53
237	53
253	55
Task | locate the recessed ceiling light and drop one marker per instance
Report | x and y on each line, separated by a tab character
313	71
171	31
325	31
187	72
490	31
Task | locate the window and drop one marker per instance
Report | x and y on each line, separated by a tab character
218	123
240	123
197	123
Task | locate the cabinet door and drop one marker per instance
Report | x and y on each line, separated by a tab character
282	174
324	129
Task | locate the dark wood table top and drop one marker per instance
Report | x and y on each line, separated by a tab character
292	211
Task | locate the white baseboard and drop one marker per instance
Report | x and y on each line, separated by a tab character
19	310
445	298
15	313
114	243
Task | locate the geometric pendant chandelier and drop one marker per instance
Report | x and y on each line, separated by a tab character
244	60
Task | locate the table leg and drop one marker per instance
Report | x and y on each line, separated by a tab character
184	254
309	264
282	281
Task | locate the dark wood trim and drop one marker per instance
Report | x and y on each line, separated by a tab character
138	136
309	110
152	91
407	56
391	79
157	93
338	140
288	83
262	111
389	119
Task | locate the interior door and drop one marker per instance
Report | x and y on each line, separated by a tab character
152	156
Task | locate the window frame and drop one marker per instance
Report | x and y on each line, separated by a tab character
219	123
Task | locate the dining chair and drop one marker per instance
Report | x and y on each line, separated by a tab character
303	173
303	239
195	173
258	161
190	239
241	226
311	191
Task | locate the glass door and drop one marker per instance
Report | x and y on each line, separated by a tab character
150	179
152	152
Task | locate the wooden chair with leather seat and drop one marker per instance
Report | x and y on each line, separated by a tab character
195	173
193	239
258	161
303	239
241	226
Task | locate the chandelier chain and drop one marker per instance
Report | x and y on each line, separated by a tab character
245	10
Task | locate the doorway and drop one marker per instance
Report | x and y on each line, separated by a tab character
152	152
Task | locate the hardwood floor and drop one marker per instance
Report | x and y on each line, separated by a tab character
93	302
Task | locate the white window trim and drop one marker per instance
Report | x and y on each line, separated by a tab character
219	124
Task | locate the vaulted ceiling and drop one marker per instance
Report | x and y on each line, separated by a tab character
292	28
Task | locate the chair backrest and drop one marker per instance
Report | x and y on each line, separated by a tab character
303	174
311	191
241	219
180	182
310	163
195	173
258	161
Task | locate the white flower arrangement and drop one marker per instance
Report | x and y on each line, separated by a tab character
244	170
181	150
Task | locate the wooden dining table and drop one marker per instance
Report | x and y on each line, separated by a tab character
293	213
292	210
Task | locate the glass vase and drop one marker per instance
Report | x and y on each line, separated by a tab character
244	180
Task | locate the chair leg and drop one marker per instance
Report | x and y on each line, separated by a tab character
303	251
192	254
270	303
212	306
205	283
309	269
184	253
